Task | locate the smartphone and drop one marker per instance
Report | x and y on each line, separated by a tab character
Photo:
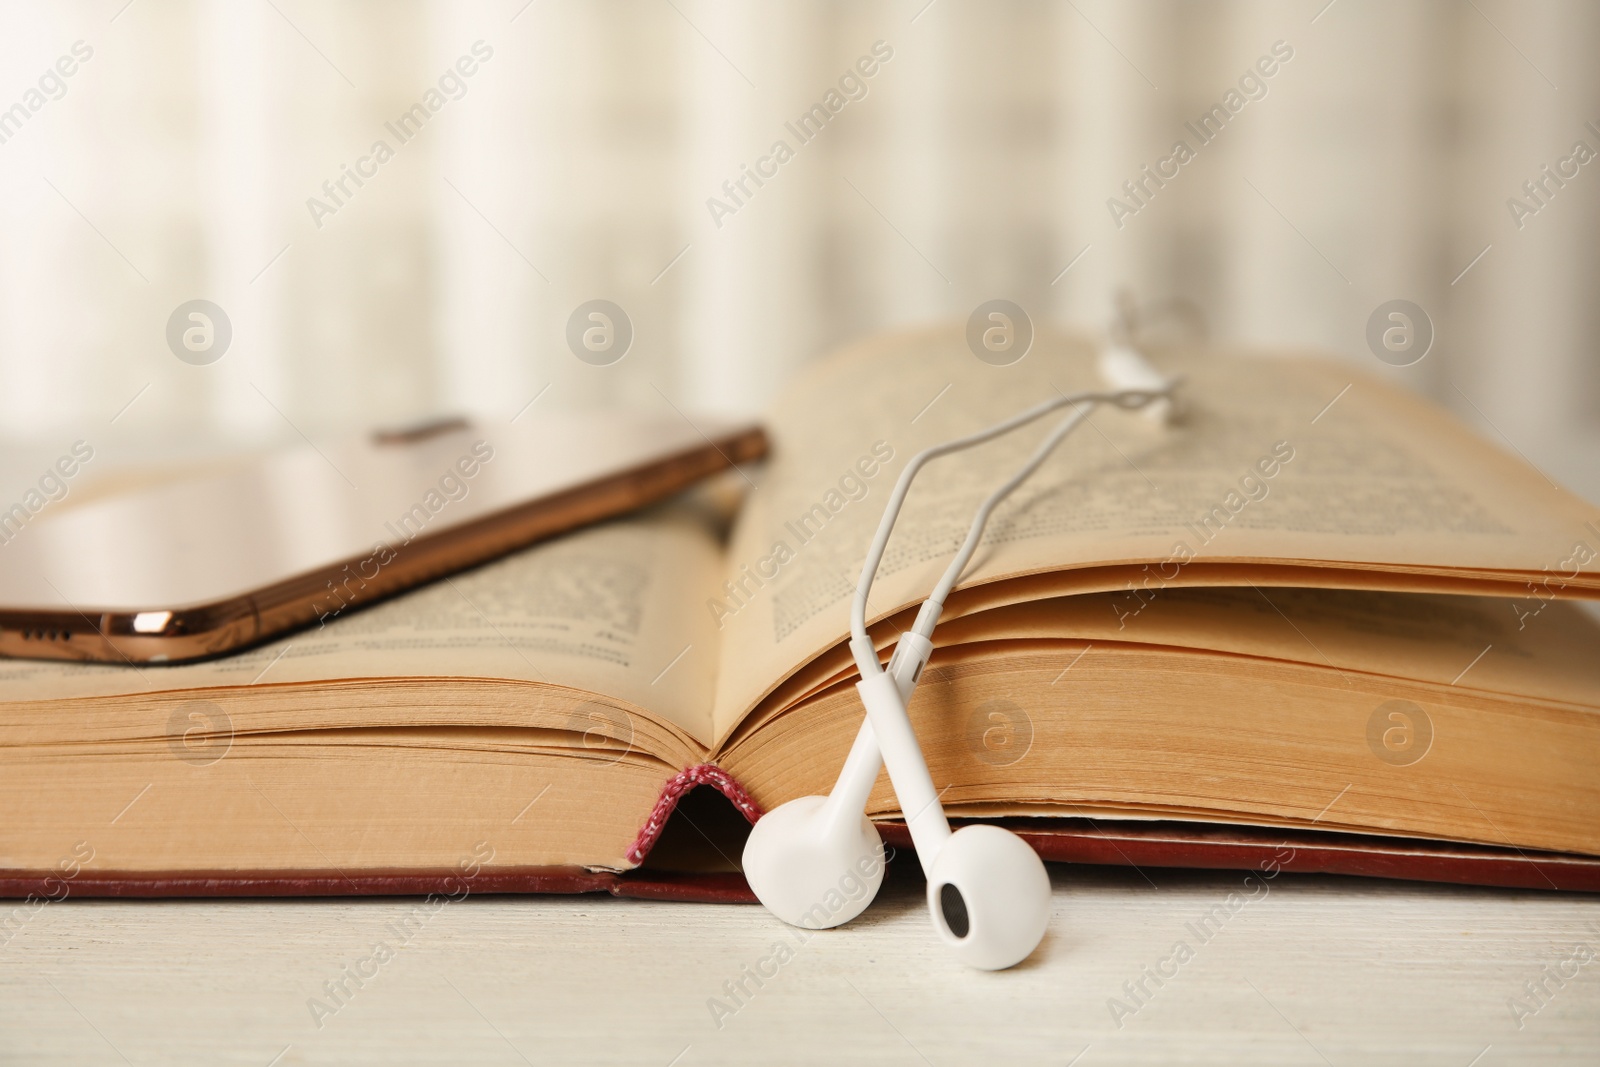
212	564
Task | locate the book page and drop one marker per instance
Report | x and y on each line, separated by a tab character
1465	642
612	610
1275	460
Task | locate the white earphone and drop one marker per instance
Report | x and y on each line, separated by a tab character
987	889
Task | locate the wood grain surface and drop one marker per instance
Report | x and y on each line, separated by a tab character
1297	970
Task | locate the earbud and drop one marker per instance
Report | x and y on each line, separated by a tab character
817	862
803	854
990	897
814	863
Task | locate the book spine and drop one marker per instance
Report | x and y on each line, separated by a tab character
679	784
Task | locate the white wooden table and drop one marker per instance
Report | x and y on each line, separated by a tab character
1319	970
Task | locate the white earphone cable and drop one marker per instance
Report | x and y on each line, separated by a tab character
1083	403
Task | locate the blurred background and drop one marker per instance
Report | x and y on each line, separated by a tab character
197	149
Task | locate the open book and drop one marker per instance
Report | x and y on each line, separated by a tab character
1315	610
